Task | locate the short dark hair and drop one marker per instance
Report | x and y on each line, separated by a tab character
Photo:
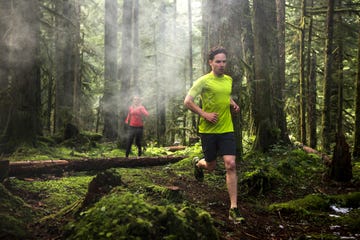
216	50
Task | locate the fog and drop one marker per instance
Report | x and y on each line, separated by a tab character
163	53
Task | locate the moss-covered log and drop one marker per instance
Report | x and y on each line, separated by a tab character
35	168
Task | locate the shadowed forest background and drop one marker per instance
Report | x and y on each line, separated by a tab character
68	71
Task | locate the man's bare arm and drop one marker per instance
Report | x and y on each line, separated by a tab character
190	104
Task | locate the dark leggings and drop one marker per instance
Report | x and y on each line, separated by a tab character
137	134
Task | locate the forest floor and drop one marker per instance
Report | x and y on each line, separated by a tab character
211	195
261	224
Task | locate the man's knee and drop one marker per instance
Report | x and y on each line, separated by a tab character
230	163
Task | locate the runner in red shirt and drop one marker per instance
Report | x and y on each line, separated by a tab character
136	125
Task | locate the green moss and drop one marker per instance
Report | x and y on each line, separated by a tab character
12	228
315	204
351	200
55	194
302	206
14	215
122	215
351	220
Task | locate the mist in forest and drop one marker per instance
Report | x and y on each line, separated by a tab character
163	49
19	34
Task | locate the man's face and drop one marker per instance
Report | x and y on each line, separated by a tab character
218	64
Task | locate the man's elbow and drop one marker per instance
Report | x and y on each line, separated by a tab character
187	101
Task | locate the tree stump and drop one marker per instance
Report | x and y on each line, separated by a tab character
4	169
100	186
341	169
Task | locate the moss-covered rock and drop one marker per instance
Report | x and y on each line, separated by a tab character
122	215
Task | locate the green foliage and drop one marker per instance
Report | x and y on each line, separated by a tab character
348	200
14	215
352	220
56	193
279	169
315	205
122	215
303	205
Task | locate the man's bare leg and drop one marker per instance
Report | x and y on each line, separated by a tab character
231	179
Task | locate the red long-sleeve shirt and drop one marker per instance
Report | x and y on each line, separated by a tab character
135	116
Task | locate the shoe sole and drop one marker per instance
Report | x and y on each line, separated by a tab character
200	178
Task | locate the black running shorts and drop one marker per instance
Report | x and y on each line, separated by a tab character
214	145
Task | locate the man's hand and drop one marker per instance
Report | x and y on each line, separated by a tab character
235	108
210	117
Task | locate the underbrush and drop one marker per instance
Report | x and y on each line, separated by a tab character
285	176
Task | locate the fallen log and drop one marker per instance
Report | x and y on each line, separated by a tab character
326	159
35	168
175	148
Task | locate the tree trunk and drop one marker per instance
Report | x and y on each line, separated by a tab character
311	86
66	50
312	115
221	32
341	169
247	42
280	105
232	33
266	130
24	121
125	70
356	151
302	94
328	81
5	25
109	100
191	77
136	45
76	13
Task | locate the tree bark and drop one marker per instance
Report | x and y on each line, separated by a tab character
66	67
311	86
302	90
266	129
5	25
109	100
356	151
280	104
125	70
23	124
328	81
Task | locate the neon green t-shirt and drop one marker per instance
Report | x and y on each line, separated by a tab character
215	95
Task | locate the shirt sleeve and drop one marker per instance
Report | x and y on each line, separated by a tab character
127	119
144	111
196	88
